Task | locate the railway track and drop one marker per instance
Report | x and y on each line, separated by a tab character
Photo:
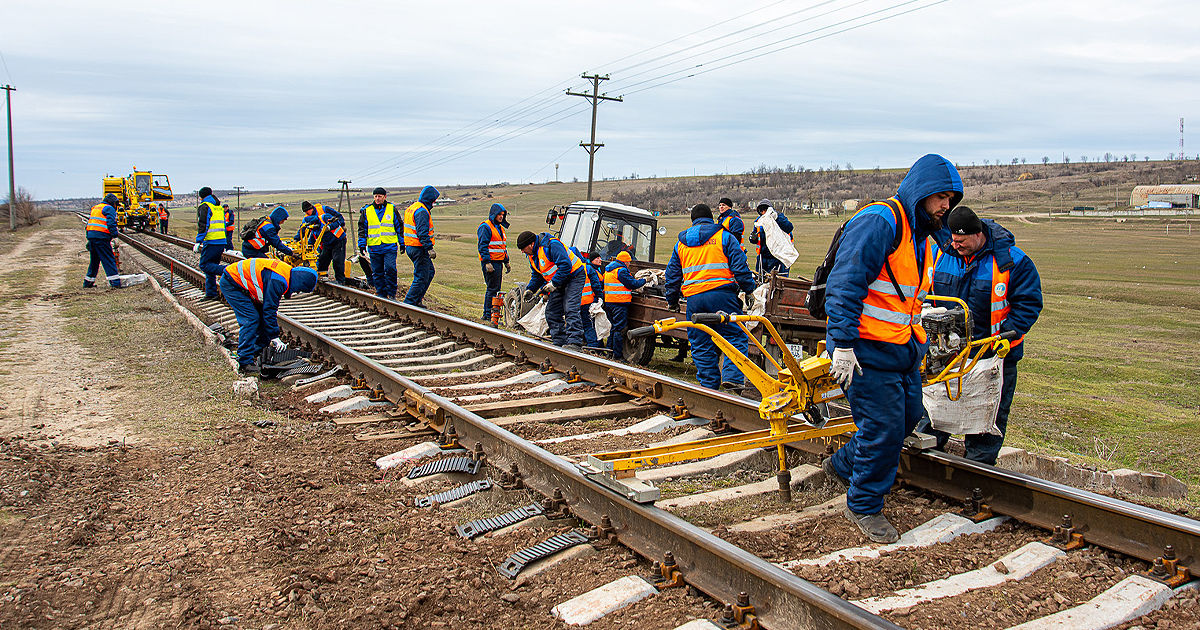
524	406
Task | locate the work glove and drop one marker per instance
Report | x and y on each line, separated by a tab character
489	267
507	267
528	295
196	248
432	254
278	345
549	288
845	364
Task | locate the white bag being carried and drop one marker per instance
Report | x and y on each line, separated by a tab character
777	240
975	410
535	320
600	320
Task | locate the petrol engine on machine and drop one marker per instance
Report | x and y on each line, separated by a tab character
946	329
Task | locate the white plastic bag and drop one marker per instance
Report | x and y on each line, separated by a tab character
653	277
600	320
975	410
760	303
129	280
777	240
535	320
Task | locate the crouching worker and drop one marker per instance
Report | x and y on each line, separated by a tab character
253	289
619	286
267	233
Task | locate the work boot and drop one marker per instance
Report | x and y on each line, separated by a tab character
875	526
88	284
250	369
832	476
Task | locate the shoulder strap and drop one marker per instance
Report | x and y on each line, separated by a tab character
895	244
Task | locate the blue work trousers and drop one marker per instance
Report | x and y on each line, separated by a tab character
252	331
422	275
618	317
589	328
769	263
101	254
493	279
212	266
333	253
712	367
383	272
562	311
982	447
886	406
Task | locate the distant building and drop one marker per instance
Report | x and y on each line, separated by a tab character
1178	195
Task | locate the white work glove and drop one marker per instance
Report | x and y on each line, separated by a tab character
196	248
432	254
845	364
489	267
278	345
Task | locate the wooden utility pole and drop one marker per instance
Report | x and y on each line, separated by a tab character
595	97
12	185
238	208
346	190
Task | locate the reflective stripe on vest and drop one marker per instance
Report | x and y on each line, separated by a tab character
259	241
543	264
587	296
248	274
705	267
615	292
162	214
895	318
411	238
725	224
98	222
381	230
216	223
497	245
999	300
338	232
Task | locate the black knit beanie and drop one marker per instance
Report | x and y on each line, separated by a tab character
701	211
963	220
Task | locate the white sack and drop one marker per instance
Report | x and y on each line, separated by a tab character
760	303
600	320
777	240
653	277
535	320
975	410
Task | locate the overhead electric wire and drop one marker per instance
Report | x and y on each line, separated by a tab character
552	160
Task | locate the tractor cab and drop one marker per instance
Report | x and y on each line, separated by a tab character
600	227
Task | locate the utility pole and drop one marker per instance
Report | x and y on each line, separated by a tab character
595	97
238	211
12	186
346	190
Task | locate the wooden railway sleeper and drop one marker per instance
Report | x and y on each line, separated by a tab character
1166	569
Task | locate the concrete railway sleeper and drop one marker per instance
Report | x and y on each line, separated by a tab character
520	405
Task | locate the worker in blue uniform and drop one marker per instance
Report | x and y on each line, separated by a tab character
267	234
101	230
873	298
492	243
212	239
708	267
379	227
253	289
593	289
767	262
418	244
333	243
557	272
977	261
729	218
619	286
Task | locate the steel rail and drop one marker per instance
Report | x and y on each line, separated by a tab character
1134	530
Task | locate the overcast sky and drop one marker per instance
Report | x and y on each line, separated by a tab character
297	94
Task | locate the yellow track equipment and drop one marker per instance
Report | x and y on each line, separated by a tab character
136	195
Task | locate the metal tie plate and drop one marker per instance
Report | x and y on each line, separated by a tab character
304	369
313	379
490	524
513	565
467	465
453	494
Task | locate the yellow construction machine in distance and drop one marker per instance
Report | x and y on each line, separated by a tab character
136	195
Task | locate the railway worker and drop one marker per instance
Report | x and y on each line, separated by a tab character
708	267
593	290
978	262
212	239
731	220
418	244
266	234
253	289
619	286
874	332
379	229
164	215
101	230
333	244
493	252
557	272
766	261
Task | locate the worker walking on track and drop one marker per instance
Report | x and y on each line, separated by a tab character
212	239
253	289
164	215
977	261
267	234
708	267
418	244
557	272
881	273
379	228
101	230
333	244
619	286
731	220
766	261
493	252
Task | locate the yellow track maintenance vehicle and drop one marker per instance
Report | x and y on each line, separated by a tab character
792	401
137	194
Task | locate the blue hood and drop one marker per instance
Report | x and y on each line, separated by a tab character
495	212
429	194
701	230
278	215
303	280
212	199
999	242
930	175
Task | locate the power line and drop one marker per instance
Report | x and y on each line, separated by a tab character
5	63
553	160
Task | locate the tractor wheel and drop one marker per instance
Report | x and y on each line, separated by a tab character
639	351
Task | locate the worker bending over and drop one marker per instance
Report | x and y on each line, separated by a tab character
267	234
977	261
874	299
493	252
212	239
767	262
619	286
708	267
253	289
557	272
379	229
101	230
418	244
333	244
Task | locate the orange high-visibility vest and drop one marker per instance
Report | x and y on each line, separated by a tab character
338	232
705	267
259	241
162	213
497	246
895	318
410	225
248	274
615	292
97	222
543	264
725	224
999	300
